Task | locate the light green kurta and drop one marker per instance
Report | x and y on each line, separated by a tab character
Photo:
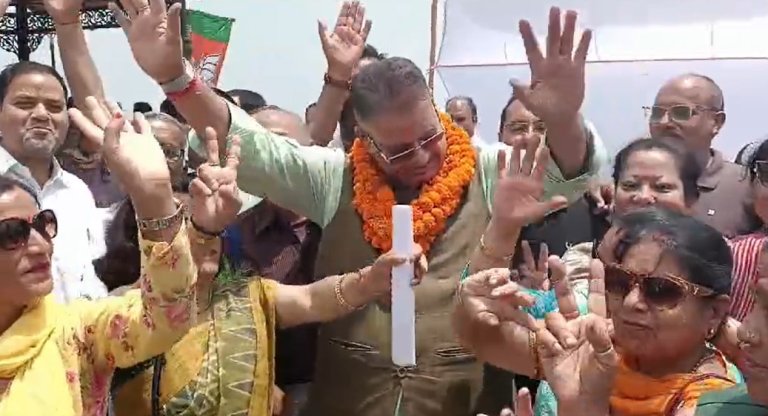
308	180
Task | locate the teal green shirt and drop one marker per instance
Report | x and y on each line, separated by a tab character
730	402
308	179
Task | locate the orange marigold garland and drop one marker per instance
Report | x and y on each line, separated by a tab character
438	200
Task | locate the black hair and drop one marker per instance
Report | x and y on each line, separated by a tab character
758	155
142	107
387	85
8	183
700	250
167	107
370	52
503	118
17	69
687	166
121	264
250	101
468	100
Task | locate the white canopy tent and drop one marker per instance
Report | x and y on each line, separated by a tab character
636	46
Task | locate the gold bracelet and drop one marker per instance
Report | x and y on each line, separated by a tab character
487	252
533	346
340	297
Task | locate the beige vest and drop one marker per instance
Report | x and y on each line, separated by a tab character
354	372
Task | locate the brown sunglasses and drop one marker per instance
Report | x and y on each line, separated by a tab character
662	291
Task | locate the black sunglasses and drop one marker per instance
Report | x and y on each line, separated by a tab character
661	291
15	232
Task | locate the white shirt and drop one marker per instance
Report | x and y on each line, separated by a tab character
80	236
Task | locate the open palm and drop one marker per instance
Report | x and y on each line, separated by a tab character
517	198
154	34
557	79
344	46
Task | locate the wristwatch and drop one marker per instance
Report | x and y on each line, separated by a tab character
182	82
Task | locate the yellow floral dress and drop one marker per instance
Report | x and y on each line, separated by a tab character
85	341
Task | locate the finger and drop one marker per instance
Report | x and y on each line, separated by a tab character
566	41
501	163
558	326
524	403
322	32
513	294
230	195
596	297
211	147
357	24
100	115
541	163
582	51
553	33
530	263
206	174
158	7
198	189
566	301
599	337
514	164
120	17
510	313
556	203
521	90
349	19
547	344
342	17
366	30
529	158
543	258
389	260
174	23
532	50
233	155
112	132
86	125
129	7
140	124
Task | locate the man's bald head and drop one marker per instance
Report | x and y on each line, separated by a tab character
690	107
283	123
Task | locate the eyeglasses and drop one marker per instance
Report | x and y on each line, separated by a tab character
664	291
15	232
173	154
677	113
526	127
405	155
761	171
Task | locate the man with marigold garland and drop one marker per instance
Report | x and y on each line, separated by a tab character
410	154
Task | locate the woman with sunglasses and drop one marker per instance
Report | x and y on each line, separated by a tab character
664	283
58	359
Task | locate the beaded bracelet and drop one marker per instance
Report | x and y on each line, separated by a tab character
340	296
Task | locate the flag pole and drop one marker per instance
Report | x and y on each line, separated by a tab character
186	41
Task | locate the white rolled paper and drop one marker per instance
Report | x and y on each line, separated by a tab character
403	299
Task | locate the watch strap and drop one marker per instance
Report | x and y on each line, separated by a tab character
182	82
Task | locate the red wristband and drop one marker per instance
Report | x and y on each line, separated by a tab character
342	84
194	87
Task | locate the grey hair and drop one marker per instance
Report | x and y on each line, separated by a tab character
166	118
386	85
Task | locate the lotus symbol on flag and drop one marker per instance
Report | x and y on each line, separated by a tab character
207	68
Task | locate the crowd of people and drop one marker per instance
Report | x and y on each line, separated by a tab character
225	256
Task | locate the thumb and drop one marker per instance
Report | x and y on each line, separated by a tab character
520	90
322	29
524	404
174	23
600	339
557	203
389	260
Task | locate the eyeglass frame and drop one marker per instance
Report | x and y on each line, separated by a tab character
694	109
399	156
688	287
531	127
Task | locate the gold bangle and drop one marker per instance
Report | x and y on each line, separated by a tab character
487	252
534	347
340	296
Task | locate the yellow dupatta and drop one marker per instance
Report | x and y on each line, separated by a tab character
20	346
635	394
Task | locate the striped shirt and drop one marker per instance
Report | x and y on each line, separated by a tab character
746	252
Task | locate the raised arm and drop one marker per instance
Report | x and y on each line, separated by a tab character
304	180
135	327
343	48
